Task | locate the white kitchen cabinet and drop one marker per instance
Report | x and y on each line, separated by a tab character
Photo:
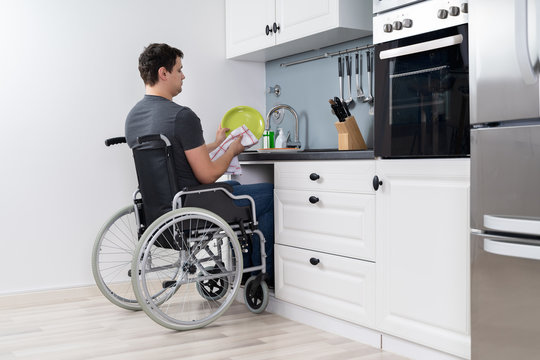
422	261
303	25
338	223
325	210
334	285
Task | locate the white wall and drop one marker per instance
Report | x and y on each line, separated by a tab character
68	77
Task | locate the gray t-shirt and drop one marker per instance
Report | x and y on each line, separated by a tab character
157	115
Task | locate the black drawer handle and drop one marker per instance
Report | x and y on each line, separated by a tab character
314	261
376	182
313	199
314	176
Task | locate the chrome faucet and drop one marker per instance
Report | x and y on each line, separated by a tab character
290	143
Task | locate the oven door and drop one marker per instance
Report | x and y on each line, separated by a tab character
422	95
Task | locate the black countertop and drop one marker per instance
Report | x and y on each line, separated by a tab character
309	154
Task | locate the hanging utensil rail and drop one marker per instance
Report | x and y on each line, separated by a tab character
327	55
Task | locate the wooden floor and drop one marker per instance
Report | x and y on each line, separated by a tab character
82	324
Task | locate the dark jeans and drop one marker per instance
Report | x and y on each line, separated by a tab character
263	195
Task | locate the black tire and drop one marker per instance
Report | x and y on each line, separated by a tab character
256	299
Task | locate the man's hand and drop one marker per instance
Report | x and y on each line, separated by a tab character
236	146
221	135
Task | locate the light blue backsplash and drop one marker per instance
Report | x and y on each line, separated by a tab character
307	87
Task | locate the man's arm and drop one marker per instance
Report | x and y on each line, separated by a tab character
206	170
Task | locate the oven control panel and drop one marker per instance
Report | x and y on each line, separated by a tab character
419	18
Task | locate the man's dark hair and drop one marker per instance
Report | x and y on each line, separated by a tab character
155	56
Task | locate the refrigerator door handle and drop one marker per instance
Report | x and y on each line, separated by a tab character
517	225
527	61
512	249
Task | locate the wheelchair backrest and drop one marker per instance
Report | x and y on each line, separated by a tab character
155	173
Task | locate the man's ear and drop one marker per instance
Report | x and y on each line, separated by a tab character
162	73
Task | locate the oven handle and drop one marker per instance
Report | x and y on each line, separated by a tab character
421	47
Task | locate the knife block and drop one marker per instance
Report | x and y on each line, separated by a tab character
349	135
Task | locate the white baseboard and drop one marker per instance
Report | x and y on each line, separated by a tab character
412	350
324	322
354	332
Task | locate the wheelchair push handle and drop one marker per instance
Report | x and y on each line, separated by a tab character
155	137
115	141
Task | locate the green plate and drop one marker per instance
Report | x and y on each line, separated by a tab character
244	115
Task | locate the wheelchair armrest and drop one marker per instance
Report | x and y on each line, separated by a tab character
216	185
218	198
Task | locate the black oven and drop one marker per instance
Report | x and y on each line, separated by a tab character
422	95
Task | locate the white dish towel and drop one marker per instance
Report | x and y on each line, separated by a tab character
248	139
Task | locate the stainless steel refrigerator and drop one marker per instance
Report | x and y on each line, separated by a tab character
505	179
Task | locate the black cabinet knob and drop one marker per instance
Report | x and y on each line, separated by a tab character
314	261
313	199
376	182
275	28
268	30
314	176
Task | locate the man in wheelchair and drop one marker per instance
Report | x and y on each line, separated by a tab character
160	67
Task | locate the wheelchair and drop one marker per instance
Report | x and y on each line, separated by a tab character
177	255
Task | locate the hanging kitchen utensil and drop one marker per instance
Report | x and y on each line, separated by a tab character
340	75
348	65
369	97
359	91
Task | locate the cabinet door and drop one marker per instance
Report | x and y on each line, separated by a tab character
301	18
341	176
331	222
423	252
333	285
246	21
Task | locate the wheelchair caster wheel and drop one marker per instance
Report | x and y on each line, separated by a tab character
213	289
256	297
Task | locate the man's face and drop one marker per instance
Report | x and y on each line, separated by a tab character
176	77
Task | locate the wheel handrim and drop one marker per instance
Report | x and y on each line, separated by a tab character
180	305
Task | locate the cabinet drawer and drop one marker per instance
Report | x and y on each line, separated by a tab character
340	287
338	223
343	176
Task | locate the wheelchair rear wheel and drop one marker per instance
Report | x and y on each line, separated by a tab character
111	258
189	263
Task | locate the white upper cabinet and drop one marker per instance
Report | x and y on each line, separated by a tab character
246	22
300	25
